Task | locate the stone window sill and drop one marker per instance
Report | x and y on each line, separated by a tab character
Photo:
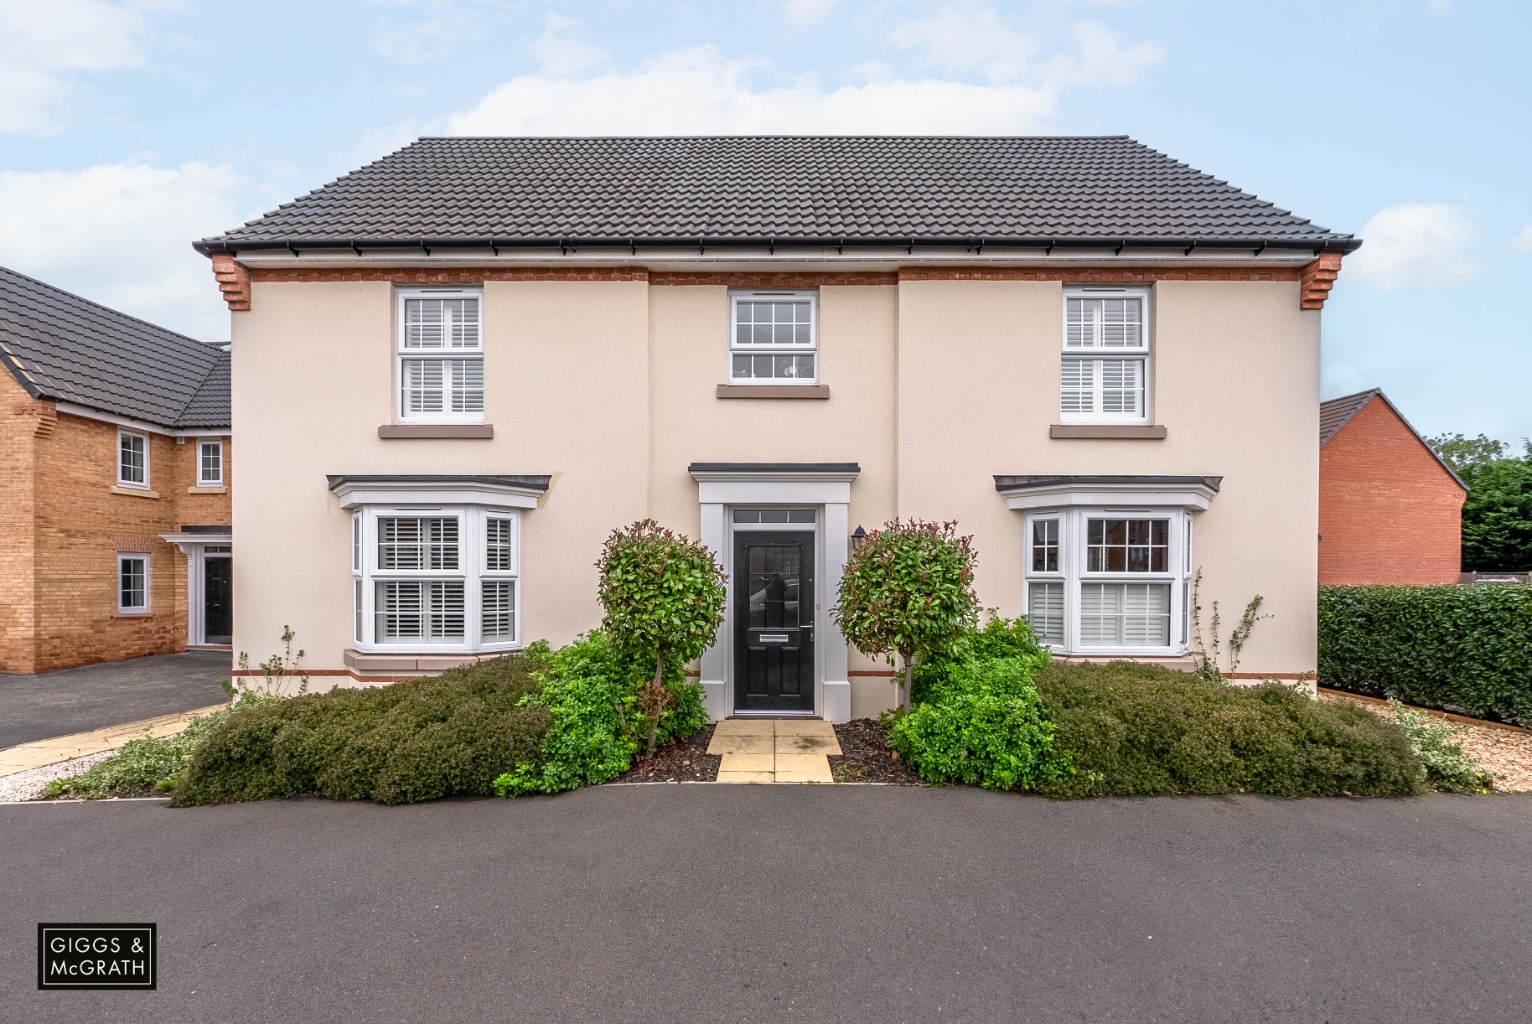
773	391
436	430
405	661
208	489
132	615
1106	430
136	492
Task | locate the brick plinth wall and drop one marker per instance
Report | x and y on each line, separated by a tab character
61	528
1388	512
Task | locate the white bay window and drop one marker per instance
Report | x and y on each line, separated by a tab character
440	356
1104	369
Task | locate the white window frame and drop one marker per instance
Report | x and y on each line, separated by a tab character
203	480
1142	351
734	348
403	355
132	556
472	572
1072	565
121	480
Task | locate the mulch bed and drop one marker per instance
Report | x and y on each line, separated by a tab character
865	756
684	761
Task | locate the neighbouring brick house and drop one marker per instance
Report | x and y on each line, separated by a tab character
115	466
1390	510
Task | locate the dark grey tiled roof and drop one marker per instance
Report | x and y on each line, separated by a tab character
1006	483
782	188
63	347
1337	412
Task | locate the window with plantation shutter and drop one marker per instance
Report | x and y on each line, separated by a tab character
439	578
1104	369
440	356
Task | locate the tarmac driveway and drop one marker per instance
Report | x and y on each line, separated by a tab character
95	696
679	904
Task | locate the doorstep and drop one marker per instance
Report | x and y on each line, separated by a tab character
774	749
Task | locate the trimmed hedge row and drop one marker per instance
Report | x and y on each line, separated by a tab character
1460	648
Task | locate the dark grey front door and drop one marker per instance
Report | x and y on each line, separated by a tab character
217	600
774	621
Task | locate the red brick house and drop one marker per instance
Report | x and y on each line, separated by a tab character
115	465
1390	510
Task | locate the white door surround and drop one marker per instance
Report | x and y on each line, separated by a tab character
194	545
822	486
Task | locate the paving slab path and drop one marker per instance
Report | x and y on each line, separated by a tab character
774	749
91	697
26	756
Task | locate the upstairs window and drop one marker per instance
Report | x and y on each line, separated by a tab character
774	337
132	459
209	463
1104	372
440	356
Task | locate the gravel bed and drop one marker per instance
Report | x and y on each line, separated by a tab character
28	785
684	761
1504	753
865	756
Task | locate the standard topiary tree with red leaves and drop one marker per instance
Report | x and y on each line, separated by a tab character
908	590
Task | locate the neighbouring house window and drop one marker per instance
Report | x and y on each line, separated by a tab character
132	459
209	463
1104	370
444	578
132	583
1107	581
773	338
440	356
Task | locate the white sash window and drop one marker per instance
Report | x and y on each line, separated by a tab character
1104	369
440	356
1109	581
774	337
438	578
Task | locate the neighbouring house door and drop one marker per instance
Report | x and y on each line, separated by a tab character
217	600
774	621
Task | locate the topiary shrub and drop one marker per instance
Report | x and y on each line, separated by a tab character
1458	648
425	739
1133	730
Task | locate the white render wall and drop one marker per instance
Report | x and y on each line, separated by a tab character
936	386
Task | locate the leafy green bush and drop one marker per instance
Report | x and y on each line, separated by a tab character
1443	762
420	740
1460	648
1137	730
591	697
149	764
982	725
999	638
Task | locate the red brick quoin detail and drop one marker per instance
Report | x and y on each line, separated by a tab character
806	279
233	281
1318	278
1099	275
463	275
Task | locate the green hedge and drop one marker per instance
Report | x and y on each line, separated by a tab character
1131	730
1463	648
421	740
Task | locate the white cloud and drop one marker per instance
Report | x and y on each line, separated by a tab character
120	234
806	13
438	26
45	45
1523	241
971	36
1440	7
561	50
1417	245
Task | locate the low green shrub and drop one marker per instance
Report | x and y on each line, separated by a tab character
593	695
149	764
1137	730
1459	648
999	638
1443	762
447	735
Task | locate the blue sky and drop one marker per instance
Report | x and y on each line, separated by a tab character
129	128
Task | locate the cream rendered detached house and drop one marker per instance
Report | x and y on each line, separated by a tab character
458	368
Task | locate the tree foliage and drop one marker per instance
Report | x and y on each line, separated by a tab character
1459	452
1497	515
908	591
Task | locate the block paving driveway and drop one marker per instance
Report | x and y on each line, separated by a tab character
669	903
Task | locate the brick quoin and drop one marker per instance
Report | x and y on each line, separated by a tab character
61	528
1388	512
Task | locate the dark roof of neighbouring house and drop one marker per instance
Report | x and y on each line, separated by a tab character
778	190
62	347
1337	412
